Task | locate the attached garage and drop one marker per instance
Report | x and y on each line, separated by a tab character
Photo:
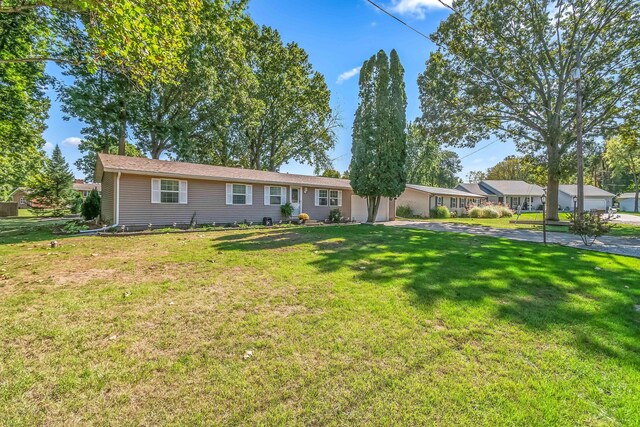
594	198
359	209
595	204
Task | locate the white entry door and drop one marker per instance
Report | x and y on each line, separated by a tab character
296	201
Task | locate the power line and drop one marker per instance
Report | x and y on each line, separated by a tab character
399	20
490	77
479	149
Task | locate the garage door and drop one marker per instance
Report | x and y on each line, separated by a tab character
359	209
598	204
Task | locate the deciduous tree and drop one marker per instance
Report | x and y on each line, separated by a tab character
23	104
142	38
622	153
503	68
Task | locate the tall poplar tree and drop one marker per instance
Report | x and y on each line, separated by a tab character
379	141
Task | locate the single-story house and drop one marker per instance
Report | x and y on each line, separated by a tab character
594	197
511	193
627	202
84	188
139	191
421	199
21	196
474	188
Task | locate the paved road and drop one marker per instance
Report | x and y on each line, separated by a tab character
627	219
616	245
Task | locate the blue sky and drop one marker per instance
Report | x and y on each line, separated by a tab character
339	36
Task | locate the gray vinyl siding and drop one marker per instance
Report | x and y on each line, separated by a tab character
107	198
321	213
207	199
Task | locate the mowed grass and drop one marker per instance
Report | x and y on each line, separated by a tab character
622	230
348	325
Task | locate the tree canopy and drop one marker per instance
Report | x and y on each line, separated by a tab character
427	163
245	99
622	154
132	36
23	104
503	68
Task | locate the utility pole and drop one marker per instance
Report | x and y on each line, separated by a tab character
579	146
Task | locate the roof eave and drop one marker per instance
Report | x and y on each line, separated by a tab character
218	178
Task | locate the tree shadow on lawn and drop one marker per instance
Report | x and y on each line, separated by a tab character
539	287
29	229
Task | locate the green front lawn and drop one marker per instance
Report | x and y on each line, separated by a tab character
346	325
619	229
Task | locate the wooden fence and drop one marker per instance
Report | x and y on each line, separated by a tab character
8	209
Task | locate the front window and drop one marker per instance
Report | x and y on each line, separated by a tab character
323	197
275	195
334	198
453	202
169	191
239	194
461	203
23	201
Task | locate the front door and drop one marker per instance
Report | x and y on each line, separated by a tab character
296	202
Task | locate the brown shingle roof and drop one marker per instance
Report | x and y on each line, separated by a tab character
86	186
144	166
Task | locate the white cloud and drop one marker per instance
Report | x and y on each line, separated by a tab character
374	24
48	146
72	140
348	74
416	8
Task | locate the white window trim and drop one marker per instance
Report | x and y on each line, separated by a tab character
328	205
267	195
339	199
156	192
248	194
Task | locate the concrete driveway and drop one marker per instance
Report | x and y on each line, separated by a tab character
629	246
624	218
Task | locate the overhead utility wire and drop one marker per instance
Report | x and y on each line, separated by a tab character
504	85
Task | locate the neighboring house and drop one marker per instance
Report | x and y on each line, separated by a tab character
594	197
84	188
21	196
421	199
512	193
474	188
627	201
139	191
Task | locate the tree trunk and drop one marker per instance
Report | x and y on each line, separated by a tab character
123	129
373	202
123	136
553	181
